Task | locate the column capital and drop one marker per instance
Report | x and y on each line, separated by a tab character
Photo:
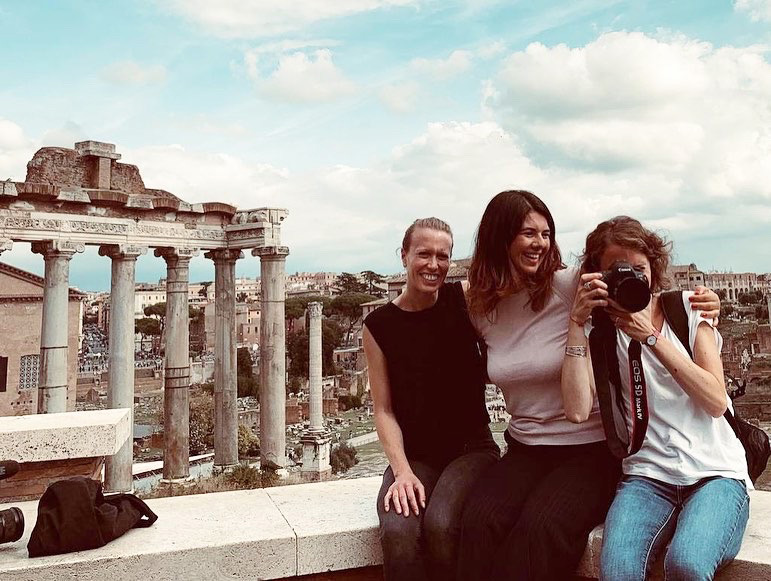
271	252
167	253
314	310
224	254
5	244
57	248
122	251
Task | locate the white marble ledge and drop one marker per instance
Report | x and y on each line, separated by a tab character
45	437
280	532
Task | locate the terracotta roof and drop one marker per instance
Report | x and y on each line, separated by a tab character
34	279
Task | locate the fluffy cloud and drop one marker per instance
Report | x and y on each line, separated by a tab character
133	73
759	10
689	113
16	149
458	62
257	18
400	97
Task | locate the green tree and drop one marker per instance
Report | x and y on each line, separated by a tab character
749	298
247	383
721	294
342	458
297	346
372	278
349	283
204	290
248	443
147	327
242	297
349	402
201	423
158	312
726	310
348	307
761	313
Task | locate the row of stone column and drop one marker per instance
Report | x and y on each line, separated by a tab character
52	381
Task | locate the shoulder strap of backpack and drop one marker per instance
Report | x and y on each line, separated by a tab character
676	316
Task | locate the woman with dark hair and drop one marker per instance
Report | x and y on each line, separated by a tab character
529	516
686	486
427	382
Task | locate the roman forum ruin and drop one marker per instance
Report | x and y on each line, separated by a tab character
84	196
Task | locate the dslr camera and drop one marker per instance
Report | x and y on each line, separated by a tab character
11	519
628	287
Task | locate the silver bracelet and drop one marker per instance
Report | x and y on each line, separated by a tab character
575	351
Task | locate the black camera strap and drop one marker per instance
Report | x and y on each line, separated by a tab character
607	380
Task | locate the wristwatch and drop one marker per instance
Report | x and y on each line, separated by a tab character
650	340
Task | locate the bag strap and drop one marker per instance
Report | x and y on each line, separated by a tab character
460	299
148	517
677	317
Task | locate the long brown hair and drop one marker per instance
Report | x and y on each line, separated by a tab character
491	276
629	233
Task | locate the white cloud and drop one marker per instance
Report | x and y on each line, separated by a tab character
400	97
133	73
15	150
759	10
458	62
258	18
491	50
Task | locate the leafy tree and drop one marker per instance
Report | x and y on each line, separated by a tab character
348	307
342	458
761	312
201	423
349	402
372	278
248	443
147	327
726	310
750	298
349	283
242	297
295	307
204	290
721	294
247	383
297	346
158	312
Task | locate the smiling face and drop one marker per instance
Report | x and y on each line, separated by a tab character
637	259
427	260
531	244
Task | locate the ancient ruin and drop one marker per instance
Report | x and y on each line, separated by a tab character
84	196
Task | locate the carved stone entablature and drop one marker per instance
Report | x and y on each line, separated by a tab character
46	247
122	250
271	252
271	215
177	252
5	244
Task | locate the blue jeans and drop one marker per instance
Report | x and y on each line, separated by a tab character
703	523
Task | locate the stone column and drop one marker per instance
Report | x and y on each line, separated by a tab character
118	476
314	367
225	354
272	357
176	411
52	381
315	440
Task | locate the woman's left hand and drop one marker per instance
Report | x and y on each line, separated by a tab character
707	301
637	325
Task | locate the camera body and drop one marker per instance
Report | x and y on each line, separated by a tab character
11	519
628	287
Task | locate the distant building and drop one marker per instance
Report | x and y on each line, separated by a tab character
310	281
686	276
21	304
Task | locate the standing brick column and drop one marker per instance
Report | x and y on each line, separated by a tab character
176	385
225	354
272	357
118	476
52	381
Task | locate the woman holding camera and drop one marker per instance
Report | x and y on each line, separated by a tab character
427	382
529	516
687	485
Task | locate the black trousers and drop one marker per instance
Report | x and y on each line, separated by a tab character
417	548
529	516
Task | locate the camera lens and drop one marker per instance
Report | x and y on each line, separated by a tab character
633	294
11	524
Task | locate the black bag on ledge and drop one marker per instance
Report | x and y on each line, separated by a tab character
73	515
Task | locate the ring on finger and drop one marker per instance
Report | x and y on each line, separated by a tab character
588	285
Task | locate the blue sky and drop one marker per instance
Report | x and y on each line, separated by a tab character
359	116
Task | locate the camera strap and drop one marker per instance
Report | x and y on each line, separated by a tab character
639	396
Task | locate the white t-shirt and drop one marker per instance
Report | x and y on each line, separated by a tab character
683	443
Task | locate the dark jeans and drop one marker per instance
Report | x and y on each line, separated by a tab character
425	546
529	516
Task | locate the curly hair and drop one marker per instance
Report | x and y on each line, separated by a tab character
629	233
491	276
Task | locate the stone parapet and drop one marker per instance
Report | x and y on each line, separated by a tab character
283	532
45	437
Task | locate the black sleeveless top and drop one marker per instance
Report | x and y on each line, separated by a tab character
436	374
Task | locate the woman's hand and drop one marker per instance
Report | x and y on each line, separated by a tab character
406	491
707	301
636	325
591	292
